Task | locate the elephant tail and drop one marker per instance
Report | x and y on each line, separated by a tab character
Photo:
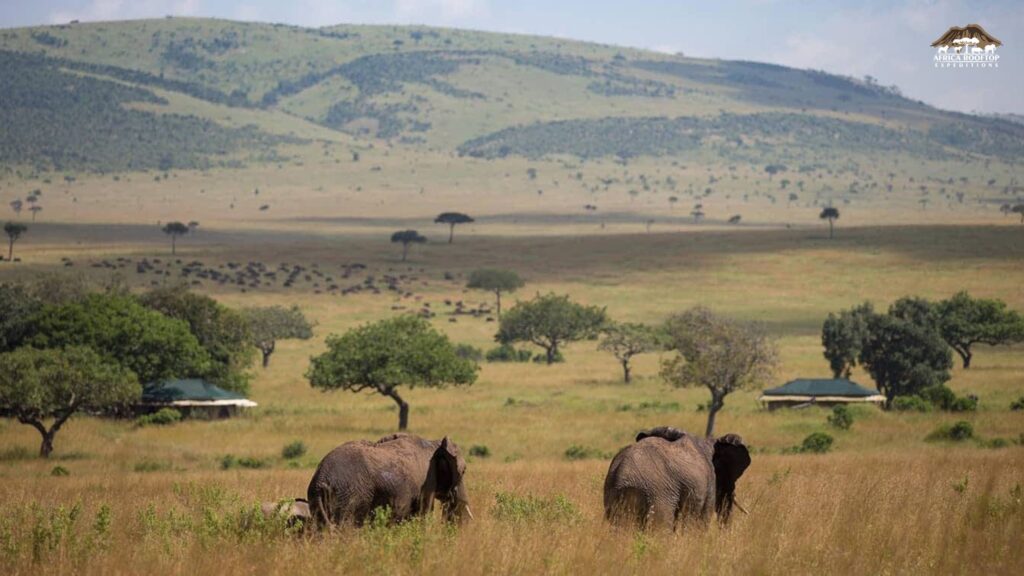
628	506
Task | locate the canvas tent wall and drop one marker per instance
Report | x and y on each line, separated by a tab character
820	392
192	397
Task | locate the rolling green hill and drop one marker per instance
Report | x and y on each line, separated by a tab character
200	94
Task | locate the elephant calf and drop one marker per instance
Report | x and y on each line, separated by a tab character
294	513
401	471
668	477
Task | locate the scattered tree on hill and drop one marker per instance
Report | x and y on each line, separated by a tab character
192	225
773	169
843	337
550	321
1019	209
121	329
16	206
35	209
175	229
386	355
719	353
222	332
903	357
496	281
405	238
272	323
14	230
41	385
452	219
965	321
626	340
831	214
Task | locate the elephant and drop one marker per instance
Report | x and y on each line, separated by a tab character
401	471
294	513
669	478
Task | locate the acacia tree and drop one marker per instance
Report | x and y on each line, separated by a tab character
14	230
964	321
41	385
383	356
174	230
272	323
35	209
719	353
843	336
550	321
452	219
496	281
626	340
1019	209
831	214
405	238
904	357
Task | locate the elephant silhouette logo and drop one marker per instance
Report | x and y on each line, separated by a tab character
968	46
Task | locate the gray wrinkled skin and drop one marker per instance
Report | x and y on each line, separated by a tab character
294	513
401	471
669	478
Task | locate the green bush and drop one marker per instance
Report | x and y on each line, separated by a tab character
1017	405
964	404
940	396
60	471
507	353
997	443
480	451
294	450
841	417
469	352
817	443
577	452
231	461
911	404
958	432
162	417
542	358
512	508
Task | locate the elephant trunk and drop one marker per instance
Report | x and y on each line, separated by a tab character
456	508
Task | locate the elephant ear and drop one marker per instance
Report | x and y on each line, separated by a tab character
444	467
667	432
731	459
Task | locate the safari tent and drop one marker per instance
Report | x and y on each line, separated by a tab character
193	398
818	392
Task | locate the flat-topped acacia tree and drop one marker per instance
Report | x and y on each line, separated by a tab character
40	386
496	281
14	230
384	356
831	214
175	229
405	238
452	219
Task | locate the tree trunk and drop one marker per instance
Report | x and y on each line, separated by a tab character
497	293
716	404
405	251
451	232
174	244
267	351
552	353
47	446
10	248
403	410
966	356
830	229
626	377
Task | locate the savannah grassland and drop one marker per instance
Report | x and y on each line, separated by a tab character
884	501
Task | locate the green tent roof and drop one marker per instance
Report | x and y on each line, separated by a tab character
821	387
194	390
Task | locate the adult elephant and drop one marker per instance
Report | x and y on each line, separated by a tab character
401	471
669	477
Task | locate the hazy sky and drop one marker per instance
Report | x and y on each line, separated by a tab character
888	40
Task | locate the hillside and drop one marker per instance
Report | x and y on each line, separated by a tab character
198	94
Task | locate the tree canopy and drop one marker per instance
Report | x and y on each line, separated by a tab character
497	281
17	308
405	238
452	219
269	324
965	321
14	230
121	329
626	340
719	353
175	229
831	214
384	356
842	337
550	321
41	385
903	357
222	332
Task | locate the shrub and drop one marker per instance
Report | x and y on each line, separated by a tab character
997	443
507	353
60	471
512	508
958	432
911	404
577	452
17	453
480	451
541	358
964	404
294	450
817	443
841	417
151	466
940	396
1017	405
162	417
231	461
469	352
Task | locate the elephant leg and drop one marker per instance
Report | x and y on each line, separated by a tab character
627	506
692	511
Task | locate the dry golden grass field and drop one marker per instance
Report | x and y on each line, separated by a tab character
884	501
